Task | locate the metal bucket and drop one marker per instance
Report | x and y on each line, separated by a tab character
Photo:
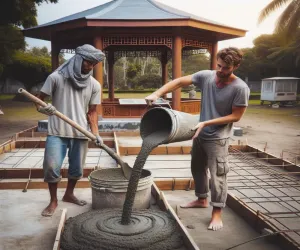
109	188
178	125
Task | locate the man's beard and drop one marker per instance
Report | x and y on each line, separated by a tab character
223	76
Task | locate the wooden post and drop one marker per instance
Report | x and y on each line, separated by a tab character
176	73
54	55
98	72
111	84
213	56
164	68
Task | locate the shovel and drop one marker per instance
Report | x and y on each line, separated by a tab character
126	169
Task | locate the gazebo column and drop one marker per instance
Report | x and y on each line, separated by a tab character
164	67
176	73
98	71
213	56
54	55
111	84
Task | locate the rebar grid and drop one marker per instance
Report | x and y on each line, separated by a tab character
274	186
22	159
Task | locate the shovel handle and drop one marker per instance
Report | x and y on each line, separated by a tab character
72	123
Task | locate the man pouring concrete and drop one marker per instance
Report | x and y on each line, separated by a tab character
75	93
224	100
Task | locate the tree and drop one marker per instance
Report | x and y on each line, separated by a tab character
28	68
11	39
20	13
15	14
43	52
289	20
194	63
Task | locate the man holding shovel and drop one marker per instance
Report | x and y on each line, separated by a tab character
75	93
224	100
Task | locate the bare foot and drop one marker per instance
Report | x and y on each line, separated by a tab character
216	221
50	209
73	199
200	203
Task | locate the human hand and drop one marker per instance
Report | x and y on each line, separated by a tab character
198	129
48	110
99	141
150	99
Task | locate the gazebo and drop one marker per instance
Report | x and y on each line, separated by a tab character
136	28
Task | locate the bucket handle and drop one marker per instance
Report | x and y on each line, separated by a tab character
164	101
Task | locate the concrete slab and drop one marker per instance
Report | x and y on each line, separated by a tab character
23	227
235	230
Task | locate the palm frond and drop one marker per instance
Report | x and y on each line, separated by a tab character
294	22
287	15
271	7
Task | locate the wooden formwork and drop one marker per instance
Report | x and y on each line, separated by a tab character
160	150
251	216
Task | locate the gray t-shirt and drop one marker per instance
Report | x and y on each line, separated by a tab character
71	102
217	102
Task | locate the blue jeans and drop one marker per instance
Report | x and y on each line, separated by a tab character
55	153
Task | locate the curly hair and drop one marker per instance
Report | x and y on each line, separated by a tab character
231	56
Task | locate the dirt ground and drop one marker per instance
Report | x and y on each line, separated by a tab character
276	130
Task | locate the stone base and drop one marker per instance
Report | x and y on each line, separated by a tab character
237	131
105	124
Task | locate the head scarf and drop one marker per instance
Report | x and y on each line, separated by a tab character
72	68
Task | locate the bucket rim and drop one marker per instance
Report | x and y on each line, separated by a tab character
147	173
172	115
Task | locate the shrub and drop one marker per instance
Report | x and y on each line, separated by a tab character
148	81
28	69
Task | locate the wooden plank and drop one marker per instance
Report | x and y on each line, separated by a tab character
175	183
32	129
31	134
19	173
60	229
161	150
164	205
162	184
174	150
127	133
38	184
30	144
187	239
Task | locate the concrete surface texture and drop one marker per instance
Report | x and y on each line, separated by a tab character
23	227
196	220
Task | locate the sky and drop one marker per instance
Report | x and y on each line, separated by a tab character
235	13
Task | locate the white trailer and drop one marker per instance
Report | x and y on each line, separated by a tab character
282	90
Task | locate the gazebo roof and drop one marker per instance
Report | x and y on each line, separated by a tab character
131	10
123	13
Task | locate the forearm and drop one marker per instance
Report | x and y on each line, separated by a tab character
235	116
173	85
92	117
222	120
